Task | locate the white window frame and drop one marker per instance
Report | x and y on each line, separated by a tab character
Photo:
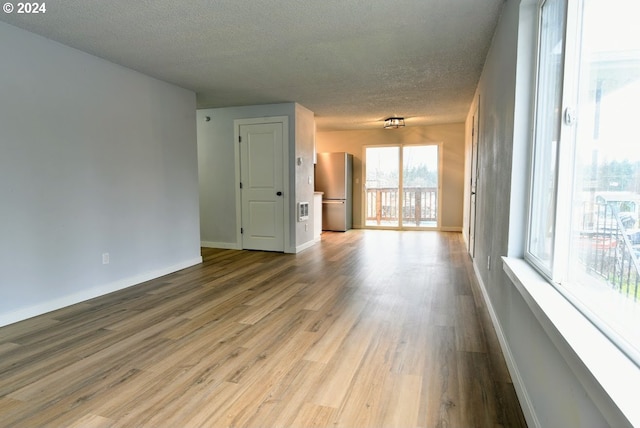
557	272
400	148
610	378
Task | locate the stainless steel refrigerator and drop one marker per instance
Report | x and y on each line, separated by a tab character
334	175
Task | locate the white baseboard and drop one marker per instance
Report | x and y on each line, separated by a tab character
222	245
525	401
63	301
233	246
306	245
451	229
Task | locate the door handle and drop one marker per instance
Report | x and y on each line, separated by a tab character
279	193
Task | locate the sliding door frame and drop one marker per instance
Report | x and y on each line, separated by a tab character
400	148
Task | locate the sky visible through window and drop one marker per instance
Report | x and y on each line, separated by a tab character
611	54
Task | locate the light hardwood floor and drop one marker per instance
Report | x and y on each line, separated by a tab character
365	329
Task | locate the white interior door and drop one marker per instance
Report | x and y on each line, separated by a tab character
262	184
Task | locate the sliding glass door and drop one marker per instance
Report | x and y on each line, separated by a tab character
382	186
407	200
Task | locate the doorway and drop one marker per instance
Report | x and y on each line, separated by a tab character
474	182
261	152
402	186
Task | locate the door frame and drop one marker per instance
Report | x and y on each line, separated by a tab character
284	120
363	172
400	147
473	182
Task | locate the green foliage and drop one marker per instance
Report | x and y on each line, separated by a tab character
415	176
420	176
616	176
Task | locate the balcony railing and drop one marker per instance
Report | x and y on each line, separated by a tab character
419	206
610	248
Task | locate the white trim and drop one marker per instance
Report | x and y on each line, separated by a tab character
236	167
363	191
100	290
306	245
451	229
521	391
289	199
222	245
440	180
284	120
609	377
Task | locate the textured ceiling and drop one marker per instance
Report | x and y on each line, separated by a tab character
352	62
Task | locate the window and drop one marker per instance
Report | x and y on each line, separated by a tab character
584	225
402	186
547	132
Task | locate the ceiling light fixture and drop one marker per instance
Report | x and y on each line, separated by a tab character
394	122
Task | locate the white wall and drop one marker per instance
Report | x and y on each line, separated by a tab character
94	158
453	143
217	169
304	173
550	391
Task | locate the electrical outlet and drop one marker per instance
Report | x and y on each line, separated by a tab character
105	258
306	227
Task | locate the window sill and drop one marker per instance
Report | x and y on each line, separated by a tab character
610	378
